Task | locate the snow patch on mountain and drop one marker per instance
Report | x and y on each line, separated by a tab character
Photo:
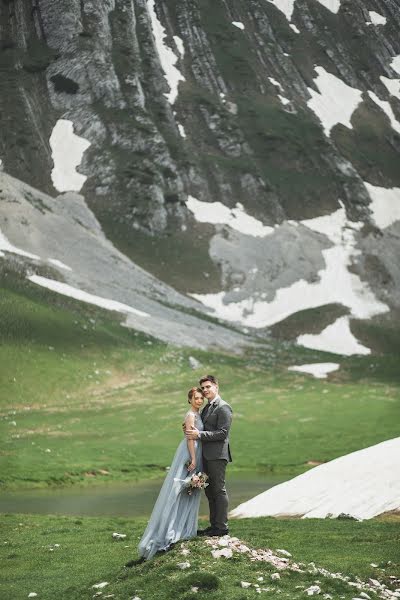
336	338
335	102
275	82
351	484
219	214
59	263
393	85
166	55
385	204
318	370
385	106
181	130
67	151
395	64
179	44
332	5
77	294
287	6
376	18
336	285
238	24
284	101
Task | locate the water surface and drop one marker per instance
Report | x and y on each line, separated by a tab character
128	500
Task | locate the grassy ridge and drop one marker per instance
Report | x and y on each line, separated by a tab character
88	555
84	398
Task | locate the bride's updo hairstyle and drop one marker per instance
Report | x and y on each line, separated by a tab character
192	392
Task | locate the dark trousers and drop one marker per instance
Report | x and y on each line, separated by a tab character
216	492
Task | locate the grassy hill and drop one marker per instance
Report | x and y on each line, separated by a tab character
86	399
63	557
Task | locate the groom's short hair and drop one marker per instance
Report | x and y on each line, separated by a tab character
208	378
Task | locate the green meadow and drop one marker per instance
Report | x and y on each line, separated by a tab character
63	557
84	398
86	401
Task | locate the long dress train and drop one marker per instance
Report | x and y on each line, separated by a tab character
175	513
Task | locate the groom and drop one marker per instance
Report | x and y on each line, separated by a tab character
217	419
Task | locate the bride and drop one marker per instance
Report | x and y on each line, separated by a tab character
175	512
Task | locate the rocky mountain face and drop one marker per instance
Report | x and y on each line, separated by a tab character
220	131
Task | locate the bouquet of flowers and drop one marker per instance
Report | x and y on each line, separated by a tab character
198	481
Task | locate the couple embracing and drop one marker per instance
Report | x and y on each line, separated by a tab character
205	450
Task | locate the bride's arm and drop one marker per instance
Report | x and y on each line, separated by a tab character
189	424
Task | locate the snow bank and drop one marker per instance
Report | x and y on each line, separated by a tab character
67	151
319	370
376	18
77	294
59	263
219	214
393	86
336	285
166	55
286	6
362	484
335	102
395	64
385	204
332	5
336	338
238	24
385	106
179	44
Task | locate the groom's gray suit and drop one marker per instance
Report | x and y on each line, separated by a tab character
217	419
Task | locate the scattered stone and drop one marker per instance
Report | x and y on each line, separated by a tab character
32	595
227	552
327	597
224	541
185	551
183	565
101	585
275	576
313	590
373	565
194	589
119	536
284	552
365	595
260	578
245	584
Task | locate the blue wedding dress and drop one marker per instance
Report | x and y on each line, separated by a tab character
175	513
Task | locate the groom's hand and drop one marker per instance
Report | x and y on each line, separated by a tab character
192	434
184	427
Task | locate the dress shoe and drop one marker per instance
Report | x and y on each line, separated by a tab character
205	531
218	532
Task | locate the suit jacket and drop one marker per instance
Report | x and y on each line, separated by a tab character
215	437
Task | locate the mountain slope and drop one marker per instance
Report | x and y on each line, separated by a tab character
202	116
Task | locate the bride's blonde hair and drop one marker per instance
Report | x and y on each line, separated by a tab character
192	392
